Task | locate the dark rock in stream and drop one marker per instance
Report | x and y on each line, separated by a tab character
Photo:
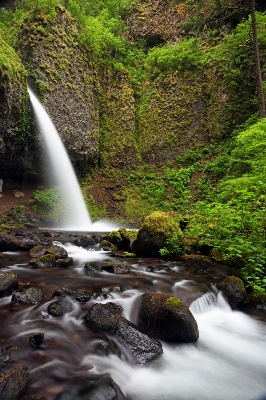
234	290
256	301
26	296
38	251
64	262
8	283
36	340
167	318
90	269
102	317
113	268
86	240
63	292
13	384
104	347
57	251
55	309
102	389
84	297
46	261
18	243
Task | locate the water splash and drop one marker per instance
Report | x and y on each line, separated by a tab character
77	216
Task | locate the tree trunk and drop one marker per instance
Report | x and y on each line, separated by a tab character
257	61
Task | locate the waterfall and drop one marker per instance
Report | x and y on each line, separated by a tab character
77	216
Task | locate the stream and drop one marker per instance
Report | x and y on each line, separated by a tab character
227	363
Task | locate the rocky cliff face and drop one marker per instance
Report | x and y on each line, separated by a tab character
16	143
97	114
156	21
65	79
117	121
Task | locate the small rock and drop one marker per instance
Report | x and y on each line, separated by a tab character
36	340
17	193
84	297
63	292
55	309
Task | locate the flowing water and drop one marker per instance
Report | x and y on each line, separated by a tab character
227	363
61	168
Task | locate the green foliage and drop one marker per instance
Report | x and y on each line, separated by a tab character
49	204
185	55
95	211
172	247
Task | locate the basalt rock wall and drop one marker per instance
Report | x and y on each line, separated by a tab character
65	79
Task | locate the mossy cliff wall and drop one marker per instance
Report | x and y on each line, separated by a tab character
117	119
65	79
156	21
14	124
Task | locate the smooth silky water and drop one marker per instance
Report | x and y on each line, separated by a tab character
62	174
227	363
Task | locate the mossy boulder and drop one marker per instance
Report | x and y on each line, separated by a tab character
57	251
38	251
122	238
48	260
256	301
234	290
8	283
156	228
167	318
27	296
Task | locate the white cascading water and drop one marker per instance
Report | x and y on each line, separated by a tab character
77	214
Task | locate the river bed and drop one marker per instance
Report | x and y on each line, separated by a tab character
227	363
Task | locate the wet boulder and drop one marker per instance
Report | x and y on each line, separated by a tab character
104	347
234	290
142	347
19	243
8	283
86	241
122	238
167	318
57	252
38	251
55	309
107	246
256	301
13	384
84	297
36	339
64	262
101	389
90	269
63	292
114	268
46	261
26	296
155	230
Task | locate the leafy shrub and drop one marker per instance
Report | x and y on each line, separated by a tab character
49	203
